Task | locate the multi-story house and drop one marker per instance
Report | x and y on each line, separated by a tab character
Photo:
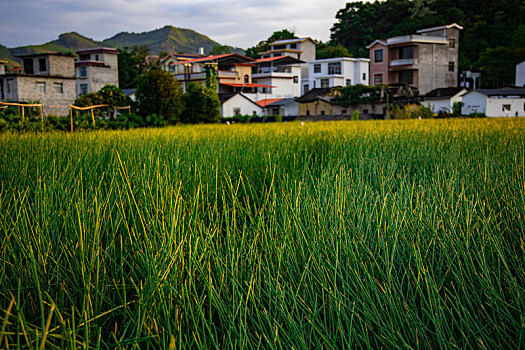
341	71
168	63
95	68
282	74
303	49
48	78
234	73
427	60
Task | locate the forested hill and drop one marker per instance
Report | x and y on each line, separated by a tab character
492	41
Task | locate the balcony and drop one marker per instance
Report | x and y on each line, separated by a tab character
272	75
202	76
414	38
403	63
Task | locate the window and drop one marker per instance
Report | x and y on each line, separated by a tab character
334	68
406	52
365	111
343	111
246	79
452	43
96	57
378	56
505	108
317	68
295	79
41	87
82	71
275	110
307	87
307	112
314	83
237	111
322	112
84	57
59	88
406	77
10	85
279	47
83	89
42	64
378	78
325	83
293	46
348	82
264	90
451	66
364	76
28	66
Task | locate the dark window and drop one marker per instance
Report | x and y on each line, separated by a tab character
365	111
406	77
307	112
28	66
84	57
505	108
317	68
378	56
82	71
348	82
42	64
364	76
279	47
275	110
406	52
236	111
334	68
451	66
322	112
83	89
295	79
452	43
325	83
96	57
246	79
307	87
293	46
343	111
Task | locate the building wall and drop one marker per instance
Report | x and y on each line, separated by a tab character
62	66
520	74
11	95
321	108
242	104
379	67
25	89
354	71
493	106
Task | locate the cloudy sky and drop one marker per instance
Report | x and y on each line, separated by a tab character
241	23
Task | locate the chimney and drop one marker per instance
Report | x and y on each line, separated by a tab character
201	51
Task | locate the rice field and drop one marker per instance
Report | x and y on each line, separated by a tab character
376	234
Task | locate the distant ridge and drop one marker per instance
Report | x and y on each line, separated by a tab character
166	39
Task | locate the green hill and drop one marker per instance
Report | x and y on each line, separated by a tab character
168	39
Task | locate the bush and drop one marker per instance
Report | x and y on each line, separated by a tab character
355	115
411	111
278	118
477	115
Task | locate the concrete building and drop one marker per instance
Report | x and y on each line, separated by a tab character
427	60
95	68
506	102
443	99
303	49
48	78
520	74
341	71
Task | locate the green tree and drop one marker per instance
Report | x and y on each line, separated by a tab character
498	65
264	45
201	105
220	49
330	50
128	70
158	92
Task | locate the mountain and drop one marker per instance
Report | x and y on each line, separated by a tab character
167	39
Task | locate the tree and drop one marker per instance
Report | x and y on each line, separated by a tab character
128	70
329	50
158	92
109	95
201	104
498	65
220	49
264	45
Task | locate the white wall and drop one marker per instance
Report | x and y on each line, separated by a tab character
520	74
283	82
351	69
493	106
238	101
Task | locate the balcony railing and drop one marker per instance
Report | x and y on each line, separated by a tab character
418	38
404	62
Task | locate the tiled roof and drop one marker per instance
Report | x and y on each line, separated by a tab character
265	102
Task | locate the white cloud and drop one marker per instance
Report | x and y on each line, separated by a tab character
233	22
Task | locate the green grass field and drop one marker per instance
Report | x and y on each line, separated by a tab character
387	234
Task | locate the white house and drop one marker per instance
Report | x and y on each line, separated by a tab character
520	74
506	102
443	99
238	104
341	71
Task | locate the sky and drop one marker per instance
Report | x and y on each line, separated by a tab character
239	23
